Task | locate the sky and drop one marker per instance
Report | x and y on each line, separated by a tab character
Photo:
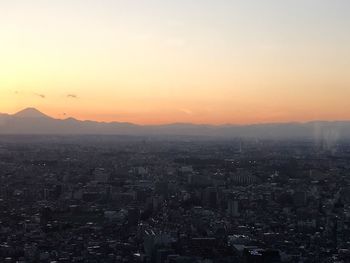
166	61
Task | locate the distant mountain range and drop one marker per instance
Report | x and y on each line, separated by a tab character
31	121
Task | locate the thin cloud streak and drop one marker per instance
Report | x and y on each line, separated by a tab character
43	96
186	111
72	96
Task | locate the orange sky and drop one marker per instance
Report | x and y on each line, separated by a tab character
177	61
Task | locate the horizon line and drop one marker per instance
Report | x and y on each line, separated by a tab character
183	123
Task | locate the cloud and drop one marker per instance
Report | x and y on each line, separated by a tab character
72	96
186	111
40	95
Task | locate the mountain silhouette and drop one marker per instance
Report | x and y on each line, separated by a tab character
32	121
30	113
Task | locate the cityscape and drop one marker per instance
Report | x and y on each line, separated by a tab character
143	199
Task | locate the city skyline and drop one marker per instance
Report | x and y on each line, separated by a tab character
237	62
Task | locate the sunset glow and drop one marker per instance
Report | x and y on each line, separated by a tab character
163	61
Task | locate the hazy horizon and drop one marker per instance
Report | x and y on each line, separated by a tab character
66	117
159	62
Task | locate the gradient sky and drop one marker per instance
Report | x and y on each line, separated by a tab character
162	61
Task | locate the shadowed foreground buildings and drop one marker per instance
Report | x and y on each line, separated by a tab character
117	199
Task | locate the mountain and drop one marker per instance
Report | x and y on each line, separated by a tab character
32	121
30	113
